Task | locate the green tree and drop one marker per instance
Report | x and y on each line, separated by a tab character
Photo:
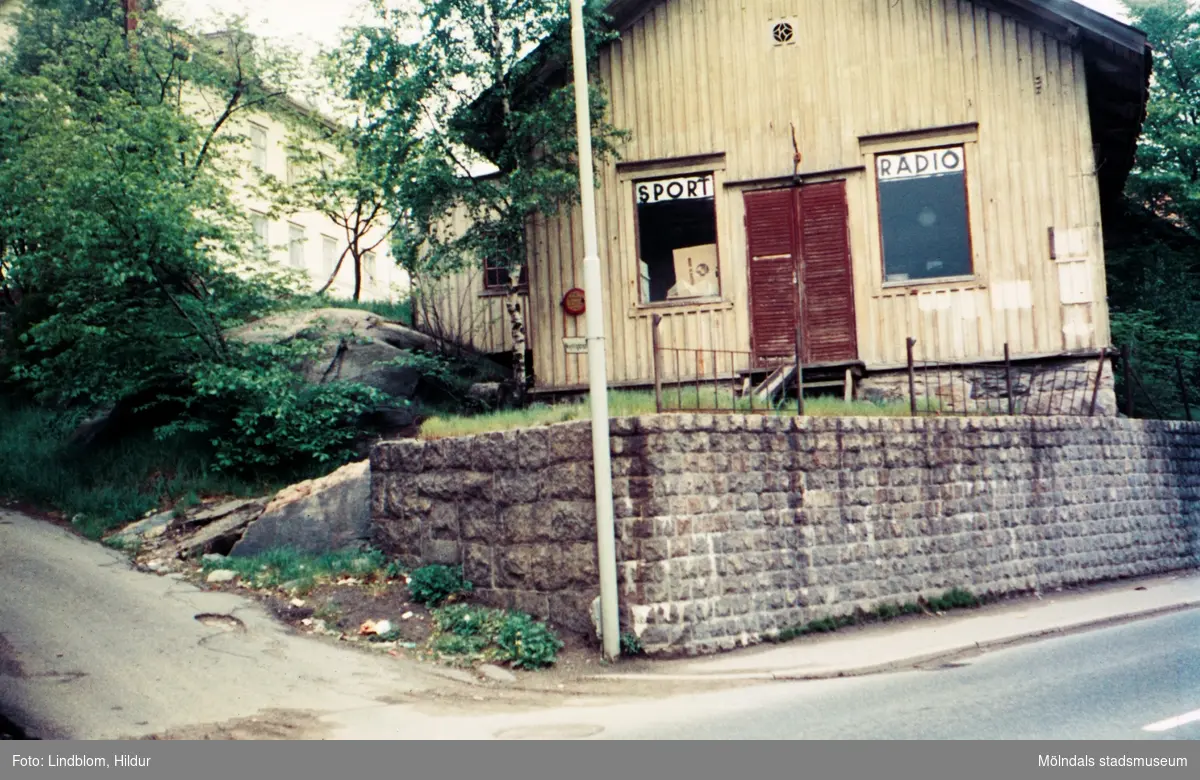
1167	176
346	187
1153	244
114	206
466	103
123	259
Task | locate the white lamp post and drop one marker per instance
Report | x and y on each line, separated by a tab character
606	546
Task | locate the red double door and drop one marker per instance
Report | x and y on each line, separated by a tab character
800	274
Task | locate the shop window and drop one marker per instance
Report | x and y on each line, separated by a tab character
923	216
677	238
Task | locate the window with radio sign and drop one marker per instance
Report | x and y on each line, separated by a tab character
923	216
677	238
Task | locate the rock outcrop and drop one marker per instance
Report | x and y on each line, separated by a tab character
318	516
331	513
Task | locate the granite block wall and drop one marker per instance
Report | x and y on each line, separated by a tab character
731	528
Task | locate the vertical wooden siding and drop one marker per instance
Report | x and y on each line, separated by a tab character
695	77
459	309
830	333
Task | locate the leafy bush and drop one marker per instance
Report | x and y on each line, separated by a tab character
432	585
261	415
631	645
495	635
527	643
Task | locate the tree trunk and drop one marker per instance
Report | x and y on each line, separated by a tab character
516	317
357	276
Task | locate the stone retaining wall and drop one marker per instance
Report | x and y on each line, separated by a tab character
731	528
1049	387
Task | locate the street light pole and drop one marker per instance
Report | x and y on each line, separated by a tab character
606	547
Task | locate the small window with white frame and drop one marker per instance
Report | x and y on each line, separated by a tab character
328	254
261	227
677	237
258	146
296	245
370	266
294	171
923	215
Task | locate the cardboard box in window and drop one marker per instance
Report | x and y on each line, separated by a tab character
695	273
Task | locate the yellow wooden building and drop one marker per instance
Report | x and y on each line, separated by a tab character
867	170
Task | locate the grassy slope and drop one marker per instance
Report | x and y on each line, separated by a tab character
629	404
108	488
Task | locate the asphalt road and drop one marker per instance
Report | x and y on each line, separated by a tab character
1105	684
91	649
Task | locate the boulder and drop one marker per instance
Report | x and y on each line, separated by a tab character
212	527
358	346
317	516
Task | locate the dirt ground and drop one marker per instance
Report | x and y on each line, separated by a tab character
346	608
336	612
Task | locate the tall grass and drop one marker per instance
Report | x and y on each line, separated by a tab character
106	487
301	572
635	403
401	311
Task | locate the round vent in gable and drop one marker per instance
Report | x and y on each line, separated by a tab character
783	32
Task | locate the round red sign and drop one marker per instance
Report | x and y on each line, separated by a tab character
574	302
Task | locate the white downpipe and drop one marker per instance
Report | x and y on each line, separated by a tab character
606	546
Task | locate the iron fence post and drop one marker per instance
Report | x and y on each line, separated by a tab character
799	371
1127	368
658	400
1099	379
1008	383
1187	406
912	377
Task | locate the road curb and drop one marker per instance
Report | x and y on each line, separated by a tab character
915	662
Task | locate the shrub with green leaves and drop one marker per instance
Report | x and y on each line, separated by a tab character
261	415
631	645
527	643
432	585
478	633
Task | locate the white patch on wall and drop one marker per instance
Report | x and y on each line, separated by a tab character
1012	296
1071	243
1076	324
934	301
966	305
1075	282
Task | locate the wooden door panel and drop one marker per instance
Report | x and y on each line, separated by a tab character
771	237
830	327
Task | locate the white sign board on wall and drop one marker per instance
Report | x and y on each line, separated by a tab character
667	190
918	165
1075	282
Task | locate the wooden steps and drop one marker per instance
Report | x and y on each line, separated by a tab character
780	379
